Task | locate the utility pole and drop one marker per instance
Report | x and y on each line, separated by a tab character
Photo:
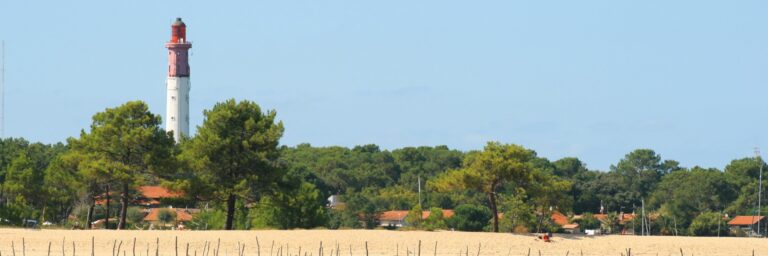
759	189
719	219
419	180
642	202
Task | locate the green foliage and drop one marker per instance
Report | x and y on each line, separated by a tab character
588	221
518	215
397	197
413	219
10	149
234	152
686	194
210	219
301	207
486	171
342	219
125	145
436	220
135	217
610	223
234	165
637	173
706	224
364	205
425	162
23	184
568	167
469	217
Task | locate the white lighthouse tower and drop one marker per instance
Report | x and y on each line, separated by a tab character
177	85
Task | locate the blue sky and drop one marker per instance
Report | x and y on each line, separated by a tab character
591	79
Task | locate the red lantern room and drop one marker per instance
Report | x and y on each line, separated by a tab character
178	31
178	50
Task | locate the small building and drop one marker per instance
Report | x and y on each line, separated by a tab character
561	220
396	219
393	219
745	224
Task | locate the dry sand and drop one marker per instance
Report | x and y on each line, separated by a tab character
380	242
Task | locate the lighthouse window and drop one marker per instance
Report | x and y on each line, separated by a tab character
173	97
173	118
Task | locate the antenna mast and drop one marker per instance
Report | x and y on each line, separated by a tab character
759	189
2	93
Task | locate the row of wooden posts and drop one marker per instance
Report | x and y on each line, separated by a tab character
241	249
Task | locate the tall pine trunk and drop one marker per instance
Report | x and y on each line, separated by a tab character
123	207
494	210
89	219
230	212
91	207
106	220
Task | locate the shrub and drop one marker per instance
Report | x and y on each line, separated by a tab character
706	224
413	219
208	219
588	221
166	216
469	217
135	217
436	220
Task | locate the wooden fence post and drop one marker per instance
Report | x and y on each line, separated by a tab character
258	247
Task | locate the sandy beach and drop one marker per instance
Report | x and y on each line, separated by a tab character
380	242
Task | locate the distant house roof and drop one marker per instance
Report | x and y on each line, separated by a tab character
447	214
400	215
151	195
393	215
745	220
156	192
181	214
559	218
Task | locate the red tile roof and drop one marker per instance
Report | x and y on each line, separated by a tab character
153	193
745	220
181	214
156	192
446	214
559	218
393	215
400	215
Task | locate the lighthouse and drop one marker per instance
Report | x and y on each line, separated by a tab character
177	85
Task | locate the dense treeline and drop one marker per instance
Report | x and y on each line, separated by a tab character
235	171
